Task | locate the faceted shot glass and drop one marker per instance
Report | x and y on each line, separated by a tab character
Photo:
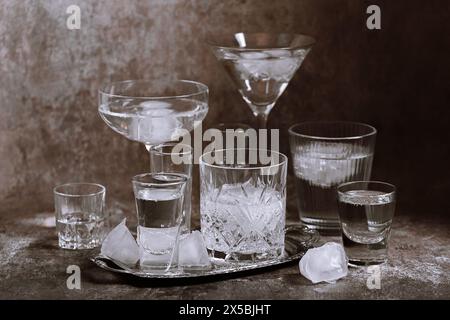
243	203
175	158
159	204
80	215
366	210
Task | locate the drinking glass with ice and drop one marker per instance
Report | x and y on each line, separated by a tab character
175	157
243	203
326	154
159	203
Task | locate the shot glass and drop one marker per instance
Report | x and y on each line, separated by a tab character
366	210
80	215
159	205
243	203
175	158
324	155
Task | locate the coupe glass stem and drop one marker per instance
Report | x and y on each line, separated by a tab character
148	147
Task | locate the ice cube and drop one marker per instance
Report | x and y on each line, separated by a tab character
155	123
156	245
120	245
328	164
278	53
284	69
193	251
224	54
255	55
254	69
250	207
326	263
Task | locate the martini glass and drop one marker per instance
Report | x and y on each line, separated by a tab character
261	65
153	111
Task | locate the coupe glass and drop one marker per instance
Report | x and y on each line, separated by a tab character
261	65
153	111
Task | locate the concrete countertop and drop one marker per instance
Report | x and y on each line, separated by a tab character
33	267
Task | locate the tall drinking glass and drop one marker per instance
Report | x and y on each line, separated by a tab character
175	158
243	203
326	154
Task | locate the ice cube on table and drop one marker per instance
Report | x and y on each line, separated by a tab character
120	245
192	251
327	263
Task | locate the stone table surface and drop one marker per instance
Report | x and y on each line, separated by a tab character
32	267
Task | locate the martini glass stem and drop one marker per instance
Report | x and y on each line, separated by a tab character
261	113
261	119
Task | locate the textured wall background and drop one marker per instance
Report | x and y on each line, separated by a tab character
396	79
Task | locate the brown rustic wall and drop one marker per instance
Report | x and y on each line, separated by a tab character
396	79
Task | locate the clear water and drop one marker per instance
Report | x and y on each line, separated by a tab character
80	230
261	77
366	218
159	213
241	221
318	171
153	122
159	208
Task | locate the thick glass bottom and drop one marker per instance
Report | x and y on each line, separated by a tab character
324	227
75	245
361	254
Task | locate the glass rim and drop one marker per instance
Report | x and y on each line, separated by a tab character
216	44
354	137
200	89
170	144
182	177
245	167
375	182
102	189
